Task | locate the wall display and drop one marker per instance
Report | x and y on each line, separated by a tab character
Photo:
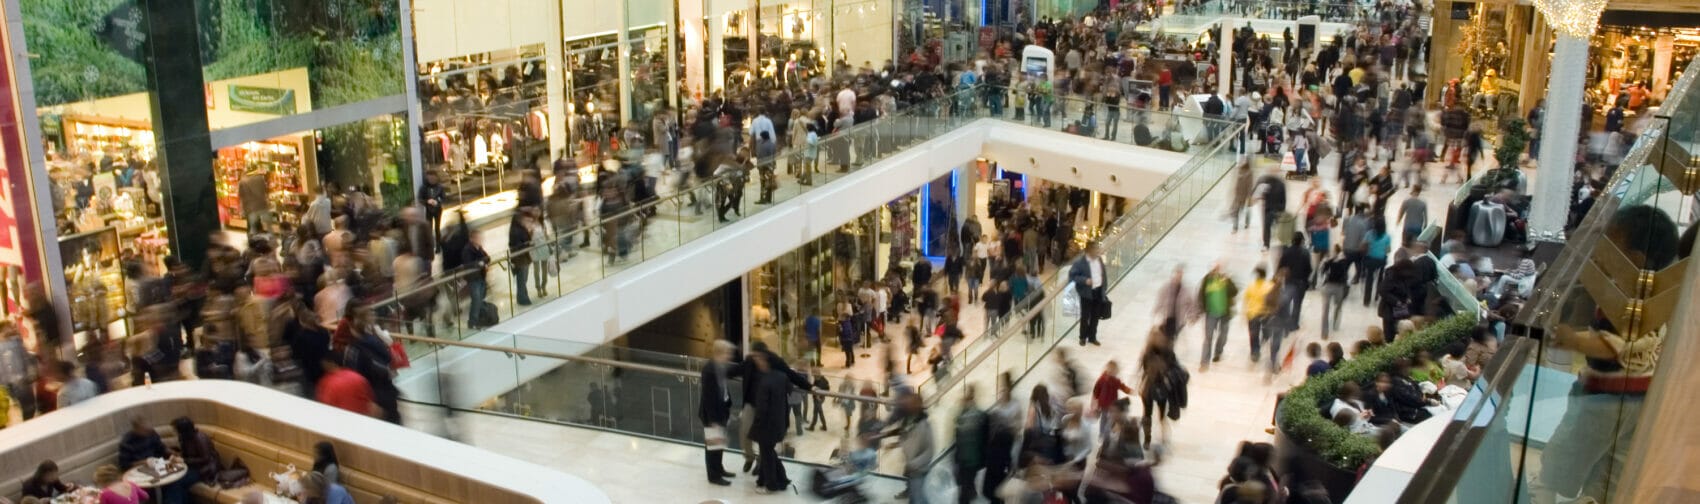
275	165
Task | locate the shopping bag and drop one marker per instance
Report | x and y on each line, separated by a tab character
398	356
714	437
1071	302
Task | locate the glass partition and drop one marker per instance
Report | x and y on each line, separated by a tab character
1557	415
629	392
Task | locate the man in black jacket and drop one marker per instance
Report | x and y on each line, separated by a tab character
1272	189
716	409
431	196
1296	260
768	397
753	376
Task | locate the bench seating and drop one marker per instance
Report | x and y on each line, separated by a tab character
264	444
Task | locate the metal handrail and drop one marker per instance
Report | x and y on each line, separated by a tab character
632	366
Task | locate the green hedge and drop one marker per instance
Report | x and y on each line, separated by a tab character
1302	421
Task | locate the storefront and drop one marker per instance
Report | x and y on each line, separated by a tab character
225	130
1634	49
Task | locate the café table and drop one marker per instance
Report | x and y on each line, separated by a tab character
143	475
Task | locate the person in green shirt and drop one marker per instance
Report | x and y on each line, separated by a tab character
1216	293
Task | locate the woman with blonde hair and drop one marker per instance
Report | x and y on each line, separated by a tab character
113	488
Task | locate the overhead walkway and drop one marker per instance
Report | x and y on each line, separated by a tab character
678	255
548	373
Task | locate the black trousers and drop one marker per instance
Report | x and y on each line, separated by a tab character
770	472
965	477
711	462
995	476
1089	311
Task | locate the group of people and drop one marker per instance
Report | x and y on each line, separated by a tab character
195	453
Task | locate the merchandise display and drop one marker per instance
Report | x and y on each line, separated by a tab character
278	179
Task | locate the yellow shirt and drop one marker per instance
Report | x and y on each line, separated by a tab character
1255	298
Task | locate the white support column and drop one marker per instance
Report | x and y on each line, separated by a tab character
691	26
716	53
555	79
1559	130
1664	49
623	64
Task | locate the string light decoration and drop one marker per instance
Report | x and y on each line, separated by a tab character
1576	18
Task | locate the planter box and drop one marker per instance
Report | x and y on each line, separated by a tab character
1295	463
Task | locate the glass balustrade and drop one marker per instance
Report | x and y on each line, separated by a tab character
621	239
1555	416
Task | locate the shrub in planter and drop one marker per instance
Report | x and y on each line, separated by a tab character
1302	420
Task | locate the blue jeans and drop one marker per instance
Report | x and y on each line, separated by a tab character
1590	445
916	485
1275	332
520	278
476	288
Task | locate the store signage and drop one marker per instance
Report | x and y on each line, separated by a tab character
262	100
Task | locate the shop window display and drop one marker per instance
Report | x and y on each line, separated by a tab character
265	181
485	119
593	87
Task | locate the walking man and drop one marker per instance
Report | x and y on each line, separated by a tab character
1216	294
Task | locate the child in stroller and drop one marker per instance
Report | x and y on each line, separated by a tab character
843	481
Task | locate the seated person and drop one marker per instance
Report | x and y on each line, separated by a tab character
197	451
114	489
1406	396
1380	401
1346	405
140	443
45	484
1425	369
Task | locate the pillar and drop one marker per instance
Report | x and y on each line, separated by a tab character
555	78
716	52
414	111
623	64
1557	159
1535	65
1663	47
178	100
691	27
967	180
1225	62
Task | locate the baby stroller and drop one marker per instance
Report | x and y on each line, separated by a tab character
842	483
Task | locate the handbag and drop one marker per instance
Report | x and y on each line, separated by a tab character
234	477
1104	308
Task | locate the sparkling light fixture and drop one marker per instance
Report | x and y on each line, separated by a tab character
1576	18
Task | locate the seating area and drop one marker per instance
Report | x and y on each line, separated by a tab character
269	432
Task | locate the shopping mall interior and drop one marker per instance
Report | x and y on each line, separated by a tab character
859	251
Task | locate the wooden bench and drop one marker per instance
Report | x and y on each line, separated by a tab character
270	431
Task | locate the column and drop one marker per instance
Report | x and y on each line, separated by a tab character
691	27
967	180
624	64
178	100
555	78
414	112
1535	66
1225	62
1557	157
1663	47
716	52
